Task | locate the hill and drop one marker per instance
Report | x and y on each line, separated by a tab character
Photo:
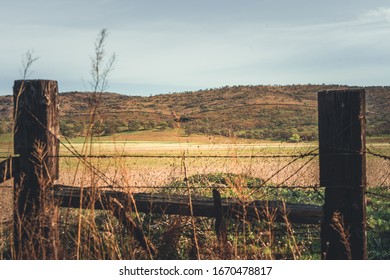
260	112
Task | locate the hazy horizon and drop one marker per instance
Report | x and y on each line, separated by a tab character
175	46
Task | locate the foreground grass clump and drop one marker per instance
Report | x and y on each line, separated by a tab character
378	223
98	234
244	186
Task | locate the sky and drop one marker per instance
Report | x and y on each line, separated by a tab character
164	46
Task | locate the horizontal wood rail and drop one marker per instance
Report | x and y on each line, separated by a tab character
69	196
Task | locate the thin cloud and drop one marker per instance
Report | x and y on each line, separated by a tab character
378	14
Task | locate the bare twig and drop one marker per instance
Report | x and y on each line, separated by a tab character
101	68
27	60
339	226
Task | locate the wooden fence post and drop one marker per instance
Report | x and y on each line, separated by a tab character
342	148
220	224
36	142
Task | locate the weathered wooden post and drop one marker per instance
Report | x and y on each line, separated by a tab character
220	223
36	142
343	173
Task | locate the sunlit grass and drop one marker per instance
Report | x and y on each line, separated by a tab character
201	162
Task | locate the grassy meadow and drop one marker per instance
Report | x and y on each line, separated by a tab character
165	161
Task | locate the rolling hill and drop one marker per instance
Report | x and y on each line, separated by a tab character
259	112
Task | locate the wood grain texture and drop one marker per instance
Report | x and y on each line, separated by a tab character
343	172
36	143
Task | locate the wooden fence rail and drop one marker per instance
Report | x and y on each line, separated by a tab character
157	203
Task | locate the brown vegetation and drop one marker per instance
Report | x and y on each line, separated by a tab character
255	112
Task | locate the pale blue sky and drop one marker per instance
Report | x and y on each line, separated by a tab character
177	45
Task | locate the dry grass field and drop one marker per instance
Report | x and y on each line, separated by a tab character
154	161
145	161
156	158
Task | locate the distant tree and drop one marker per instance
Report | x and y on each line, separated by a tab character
133	125
171	124
149	125
226	132
78	127
111	127
294	138
294	130
98	128
285	135
2	128
163	125
188	130
66	129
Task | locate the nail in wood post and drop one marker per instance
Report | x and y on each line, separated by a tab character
343	173
36	143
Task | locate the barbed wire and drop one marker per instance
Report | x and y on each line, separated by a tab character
181	156
315	189
312	154
223	186
385	179
210	186
301	155
385	157
381	195
284	167
382	156
74	152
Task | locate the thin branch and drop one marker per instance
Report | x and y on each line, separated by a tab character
101	69
27	60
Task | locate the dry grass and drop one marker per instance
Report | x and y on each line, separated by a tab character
96	234
151	172
93	234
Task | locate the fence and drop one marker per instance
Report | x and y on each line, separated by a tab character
341	151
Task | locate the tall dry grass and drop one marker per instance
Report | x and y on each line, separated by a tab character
128	234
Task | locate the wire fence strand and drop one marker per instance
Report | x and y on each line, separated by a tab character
312	154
